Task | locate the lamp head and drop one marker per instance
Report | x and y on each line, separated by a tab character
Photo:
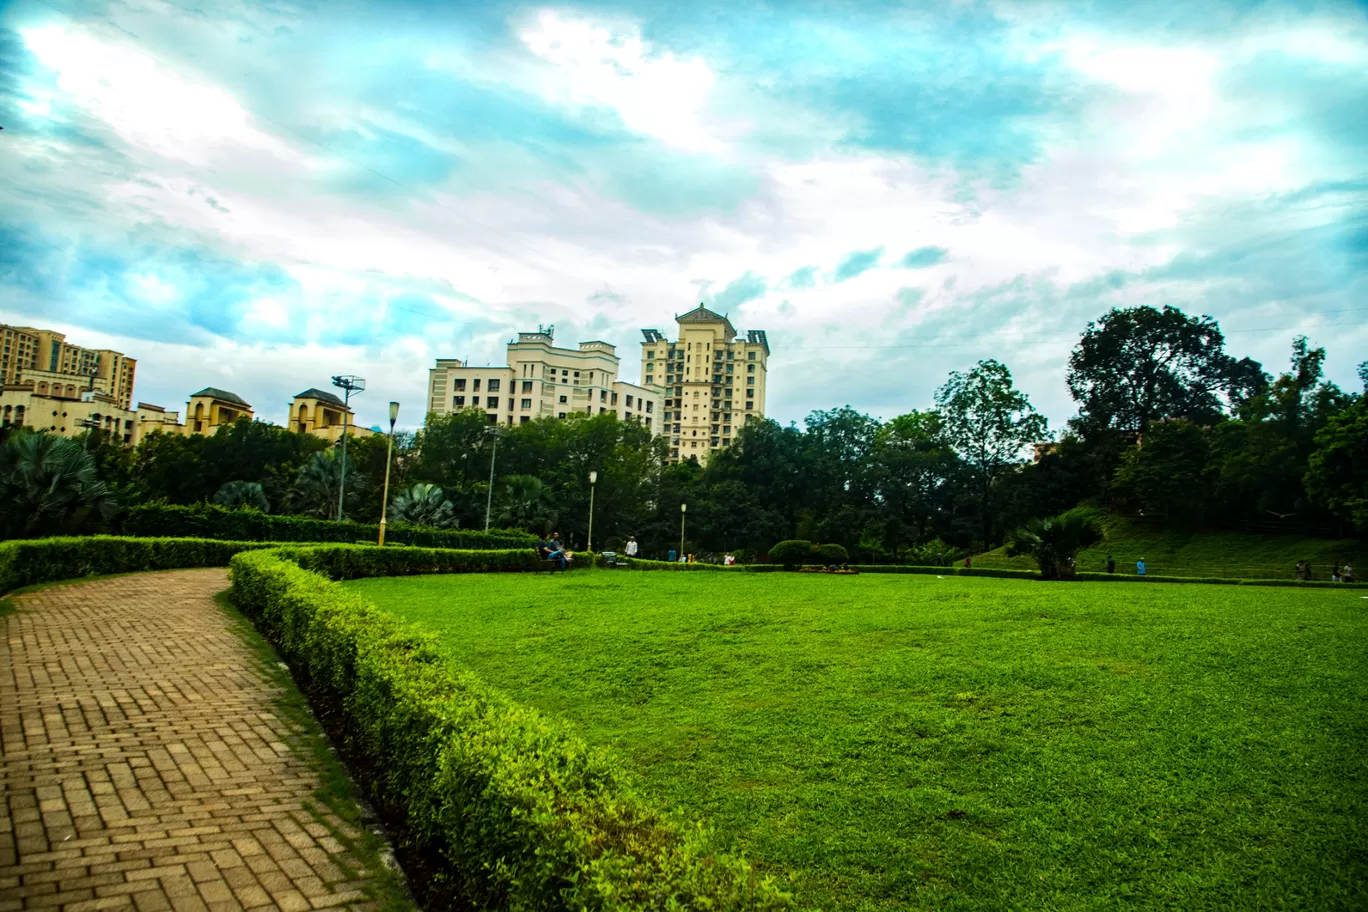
683	508
593	477
394	412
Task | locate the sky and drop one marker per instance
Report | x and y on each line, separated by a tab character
258	196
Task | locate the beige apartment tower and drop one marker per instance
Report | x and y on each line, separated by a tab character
56	367
543	381
713	380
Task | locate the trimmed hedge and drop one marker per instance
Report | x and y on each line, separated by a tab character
516	811
357	561
213	521
25	562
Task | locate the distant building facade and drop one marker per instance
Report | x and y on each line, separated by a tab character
322	414
543	381
713	381
56	367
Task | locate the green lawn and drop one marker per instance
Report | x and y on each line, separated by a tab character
910	742
1169	552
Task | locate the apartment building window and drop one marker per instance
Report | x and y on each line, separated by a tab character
560	414
714	441
726	441
648	422
750	356
615	398
603	395
726	428
750	368
563	400
493	386
460	385
565	372
475	400
526	403
731	356
524	419
576	373
675	452
749	405
602	409
493	418
492	402
750	381
527	386
650	378
457	401
629	401
650	406
650	356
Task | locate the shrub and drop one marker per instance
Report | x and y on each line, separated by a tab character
211	521
516	811
791	553
46	560
833	554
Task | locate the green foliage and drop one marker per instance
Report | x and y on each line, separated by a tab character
317	486
522	504
243	494
1338	472
791	553
1137	365
49	485
1163	476
1054	542
832	554
45	560
209	521
902	743
519	813
423	505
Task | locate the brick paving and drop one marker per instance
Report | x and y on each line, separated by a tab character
142	763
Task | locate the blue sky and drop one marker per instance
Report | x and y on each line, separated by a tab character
259	196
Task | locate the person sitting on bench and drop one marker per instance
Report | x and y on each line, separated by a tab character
556	551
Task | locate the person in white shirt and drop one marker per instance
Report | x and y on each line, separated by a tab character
631	548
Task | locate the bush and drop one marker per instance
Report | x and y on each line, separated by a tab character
791	553
833	554
45	560
515	811
358	561
212	521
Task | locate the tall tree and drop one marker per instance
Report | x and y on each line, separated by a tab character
1136	365
1163	475
912	466
991	424
1337	476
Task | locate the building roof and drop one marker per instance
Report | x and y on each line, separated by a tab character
221	395
701	314
321	396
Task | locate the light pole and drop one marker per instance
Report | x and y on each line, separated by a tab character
350	385
593	480
683	508
496	432
91	426
389	455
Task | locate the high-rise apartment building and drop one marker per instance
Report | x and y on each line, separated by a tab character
543	381
714	381
55	366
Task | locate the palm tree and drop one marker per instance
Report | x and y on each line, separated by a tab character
49	485
423	505
243	494
522	504
1055	541
315	488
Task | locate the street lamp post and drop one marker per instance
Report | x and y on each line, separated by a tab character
593	480
349	385
683	508
389	455
91	426
496	432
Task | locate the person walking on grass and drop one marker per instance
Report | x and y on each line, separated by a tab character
1301	570
631	548
1140	567
1347	574
1111	564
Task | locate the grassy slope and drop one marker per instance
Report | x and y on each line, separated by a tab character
896	743
1219	554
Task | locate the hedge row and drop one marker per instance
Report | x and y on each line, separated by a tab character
357	561
213	521
25	562
516	811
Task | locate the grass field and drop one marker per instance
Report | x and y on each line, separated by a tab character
1170	552
891	743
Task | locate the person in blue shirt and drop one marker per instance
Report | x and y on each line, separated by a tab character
1111	564
1140	567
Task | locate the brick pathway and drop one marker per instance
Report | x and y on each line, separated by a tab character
143	764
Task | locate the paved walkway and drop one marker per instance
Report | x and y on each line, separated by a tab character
143	764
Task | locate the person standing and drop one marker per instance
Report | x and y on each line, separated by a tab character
631	548
1301	570
1347	574
968	559
1111	564
1140	567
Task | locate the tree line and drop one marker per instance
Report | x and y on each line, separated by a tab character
1168	425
